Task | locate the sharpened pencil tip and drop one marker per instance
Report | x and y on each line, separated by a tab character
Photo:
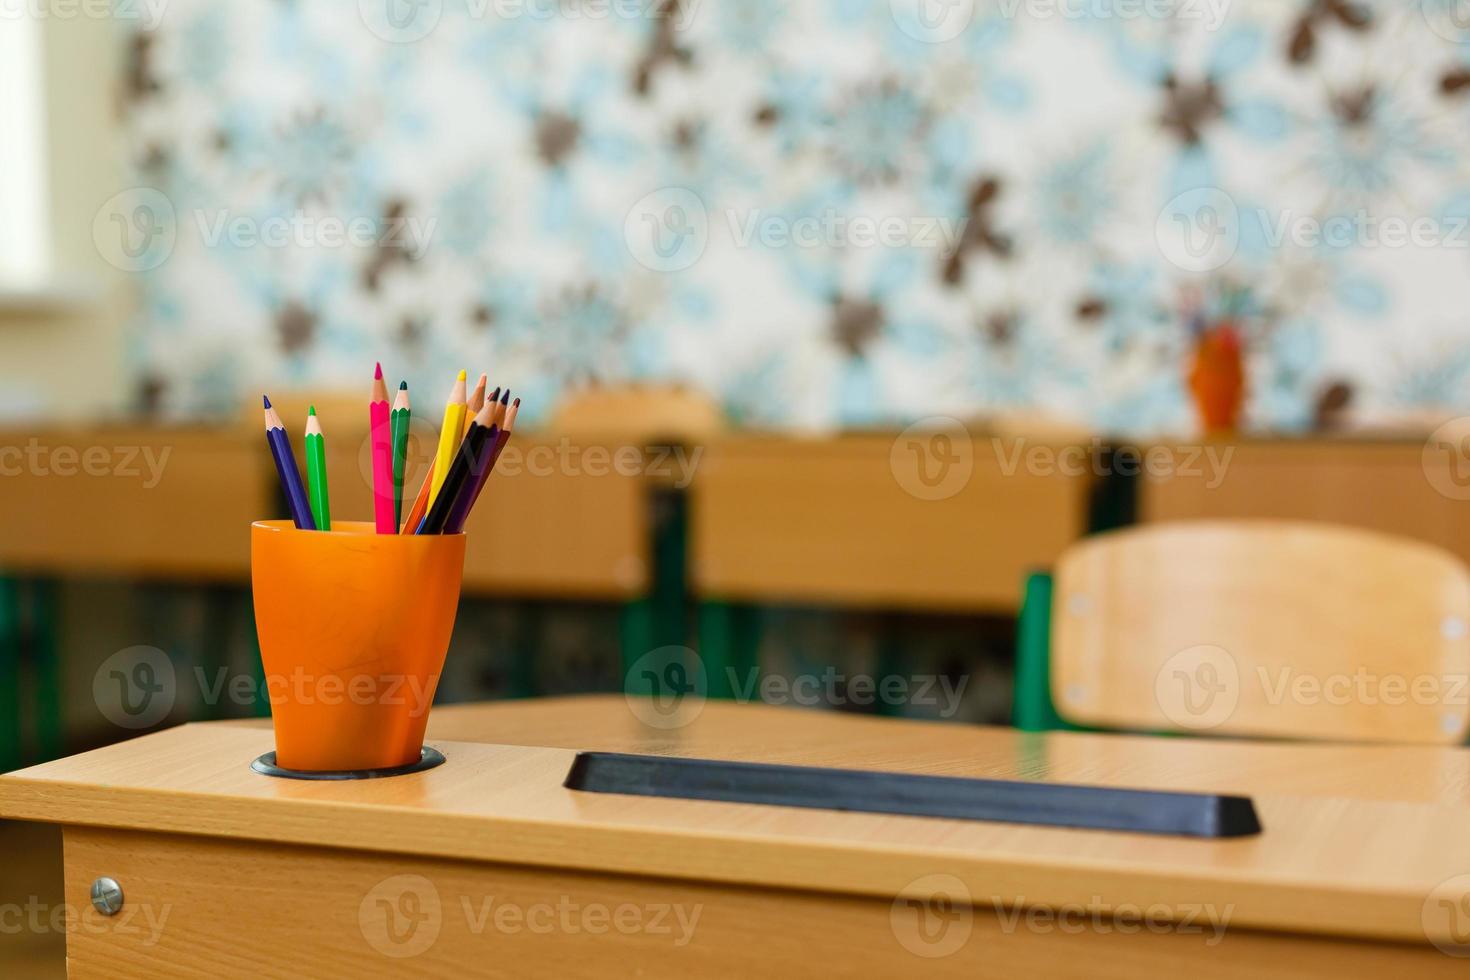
517	403
403	386
461	377
311	410
267	400
505	399
378	373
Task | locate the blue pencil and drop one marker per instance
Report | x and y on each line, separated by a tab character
275	434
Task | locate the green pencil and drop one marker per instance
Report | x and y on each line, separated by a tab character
398	437
316	472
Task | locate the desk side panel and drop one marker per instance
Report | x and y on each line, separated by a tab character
198	907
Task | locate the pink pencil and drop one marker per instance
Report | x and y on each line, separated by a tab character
382	457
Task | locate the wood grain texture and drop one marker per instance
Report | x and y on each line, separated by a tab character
197	906
561	518
838	520
555	521
1271	628
1345	864
761	733
88	501
644	413
1380	485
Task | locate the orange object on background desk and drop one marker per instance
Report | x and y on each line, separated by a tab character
353	630
1217	378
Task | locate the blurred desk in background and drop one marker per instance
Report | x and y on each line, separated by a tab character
935	521
136	502
176	504
1391	486
879	521
560	520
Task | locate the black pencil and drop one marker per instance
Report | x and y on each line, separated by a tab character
469	461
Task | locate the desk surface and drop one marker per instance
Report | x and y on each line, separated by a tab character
1356	838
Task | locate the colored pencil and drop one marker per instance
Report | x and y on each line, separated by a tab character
469	461
398	423
275	434
504	423
450	434
415	515
475	402
316	472
382	449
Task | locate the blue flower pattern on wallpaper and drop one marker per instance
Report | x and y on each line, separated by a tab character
872	225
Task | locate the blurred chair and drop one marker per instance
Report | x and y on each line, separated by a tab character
1249	628
662	413
650	418
939	520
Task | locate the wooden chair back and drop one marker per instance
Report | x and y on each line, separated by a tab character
1263	628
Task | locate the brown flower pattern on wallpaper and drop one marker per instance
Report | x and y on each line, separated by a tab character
664	46
295	328
1318	15
392	248
856	323
556	137
1189	107
980	235
1052	281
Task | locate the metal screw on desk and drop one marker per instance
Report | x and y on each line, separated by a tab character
107	896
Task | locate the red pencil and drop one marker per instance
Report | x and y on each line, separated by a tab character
382	443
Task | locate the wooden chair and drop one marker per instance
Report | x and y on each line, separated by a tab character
660	413
1249	628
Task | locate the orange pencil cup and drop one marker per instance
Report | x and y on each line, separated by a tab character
353	627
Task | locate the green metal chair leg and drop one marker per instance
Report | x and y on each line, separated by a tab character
892	662
669	585
1033	710
10	729
729	646
637	631
46	651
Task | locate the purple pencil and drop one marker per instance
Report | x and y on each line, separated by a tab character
461	512
275	434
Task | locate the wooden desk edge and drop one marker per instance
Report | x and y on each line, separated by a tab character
795	863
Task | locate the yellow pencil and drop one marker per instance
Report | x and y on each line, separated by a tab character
449	435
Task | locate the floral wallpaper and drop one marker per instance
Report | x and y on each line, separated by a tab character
825	213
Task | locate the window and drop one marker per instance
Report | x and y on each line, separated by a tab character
25	246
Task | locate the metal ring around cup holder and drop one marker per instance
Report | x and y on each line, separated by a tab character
428	759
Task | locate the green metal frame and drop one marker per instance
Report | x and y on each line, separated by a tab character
729	646
11	748
660	618
1033	710
29	620
46	668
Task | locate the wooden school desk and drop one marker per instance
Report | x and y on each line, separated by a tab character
144	503
941	521
879	520
1379	484
488	866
